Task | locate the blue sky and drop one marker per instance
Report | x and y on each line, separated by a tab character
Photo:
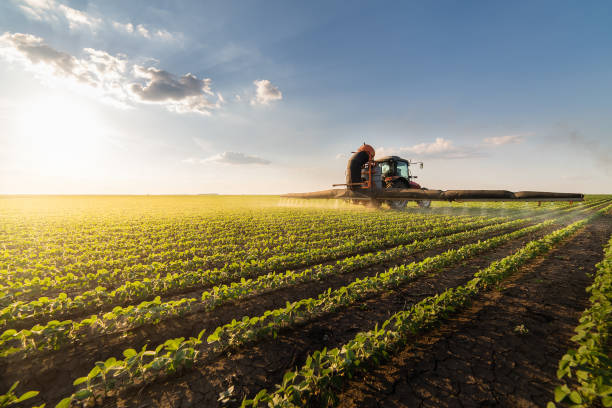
272	96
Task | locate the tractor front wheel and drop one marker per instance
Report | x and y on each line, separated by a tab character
397	204
424	203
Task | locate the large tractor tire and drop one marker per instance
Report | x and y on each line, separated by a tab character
424	203
397	204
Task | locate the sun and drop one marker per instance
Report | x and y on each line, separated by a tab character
59	136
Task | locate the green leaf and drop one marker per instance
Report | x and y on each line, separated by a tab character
27	395
65	403
83	394
561	393
81	380
575	397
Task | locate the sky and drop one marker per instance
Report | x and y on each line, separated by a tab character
259	97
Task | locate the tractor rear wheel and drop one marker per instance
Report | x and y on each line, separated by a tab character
397	204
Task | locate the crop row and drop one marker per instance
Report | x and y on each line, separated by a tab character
321	376
125	269
83	260
138	290
268	324
142	244
167	352
587	370
111	268
55	333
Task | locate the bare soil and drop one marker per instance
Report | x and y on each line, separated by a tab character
264	363
53	372
558	289
483	357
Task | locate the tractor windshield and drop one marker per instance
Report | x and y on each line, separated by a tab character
402	169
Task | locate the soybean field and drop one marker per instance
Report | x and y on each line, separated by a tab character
261	301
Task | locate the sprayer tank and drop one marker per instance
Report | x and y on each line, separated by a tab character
376	176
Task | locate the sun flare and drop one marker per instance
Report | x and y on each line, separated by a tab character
59	135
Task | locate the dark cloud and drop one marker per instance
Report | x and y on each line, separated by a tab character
35	50
162	85
185	93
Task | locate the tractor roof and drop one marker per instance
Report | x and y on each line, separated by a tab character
389	158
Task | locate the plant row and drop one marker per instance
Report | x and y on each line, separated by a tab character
248	329
320	378
139	290
119	265
587	370
16	289
55	334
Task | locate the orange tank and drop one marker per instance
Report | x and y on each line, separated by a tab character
368	149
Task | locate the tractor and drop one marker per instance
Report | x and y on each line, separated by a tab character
385	173
389	180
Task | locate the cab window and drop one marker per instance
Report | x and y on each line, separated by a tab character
402	169
385	168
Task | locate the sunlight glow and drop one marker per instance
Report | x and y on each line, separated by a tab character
58	136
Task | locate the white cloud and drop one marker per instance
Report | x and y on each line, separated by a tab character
235	158
265	92
440	148
54	12
441	145
78	18
127	27
502	140
114	79
143	31
108	76
98	70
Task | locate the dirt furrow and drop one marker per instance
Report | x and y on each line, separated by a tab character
263	364
192	291
60	364
504	350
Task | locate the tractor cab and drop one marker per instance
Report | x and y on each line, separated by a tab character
396	172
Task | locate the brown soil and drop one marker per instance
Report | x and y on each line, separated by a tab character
263	364
35	373
193	291
478	359
254	366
